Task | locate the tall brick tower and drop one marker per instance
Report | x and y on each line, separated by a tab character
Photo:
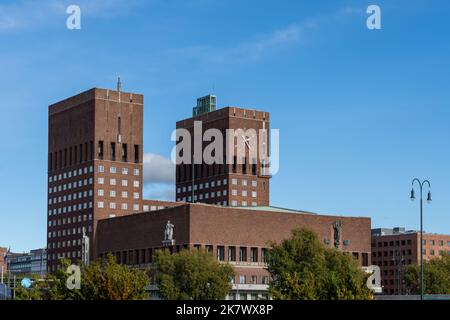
94	167
239	182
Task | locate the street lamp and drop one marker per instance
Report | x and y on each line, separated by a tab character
412	197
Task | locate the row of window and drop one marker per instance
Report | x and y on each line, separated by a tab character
71	208
113	182
64	244
185	172
253	280
69	220
112	194
69	174
113	170
85	152
70	197
440	243
113	206
70	185
233	254
64	233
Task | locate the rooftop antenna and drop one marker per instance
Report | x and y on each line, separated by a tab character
119	87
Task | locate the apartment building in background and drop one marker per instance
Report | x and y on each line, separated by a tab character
393	249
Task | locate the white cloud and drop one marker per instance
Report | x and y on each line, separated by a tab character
158	169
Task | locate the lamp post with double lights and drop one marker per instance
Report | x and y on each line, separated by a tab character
421	185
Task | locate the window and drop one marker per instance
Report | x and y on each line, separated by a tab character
124	183
244	193
112	170
101	192
231	253
112	182
264	255
244	182
440	243
112	205
136	172
234	192
113	151
242	280
254	254
100	204
135	195
254	281
254	194
234	181
136	183
101	180
220	253
101	169
124	194
124	206
242	254
124	152
136	153
124	171
100	150
136	207
112	193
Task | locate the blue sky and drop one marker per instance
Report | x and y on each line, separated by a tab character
360	112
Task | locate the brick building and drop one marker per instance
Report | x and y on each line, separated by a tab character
239	236
241	178
95	184
394	249
94	166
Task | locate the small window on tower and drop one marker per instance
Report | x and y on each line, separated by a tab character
100	150
113	151
136	153
124	153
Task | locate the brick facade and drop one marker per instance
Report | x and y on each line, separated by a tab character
393	252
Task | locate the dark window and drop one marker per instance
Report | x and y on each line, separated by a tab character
242	254
209	248
100	150
244	165
264	255
234	164
86	152
221	253
231	253
124	152
75	155
136	153
50	161
91	150
81	154
70	156
65	157
365	259
113	151
254	254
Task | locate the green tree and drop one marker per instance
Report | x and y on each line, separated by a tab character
302	268
436	276
37	291
101	280
191	274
